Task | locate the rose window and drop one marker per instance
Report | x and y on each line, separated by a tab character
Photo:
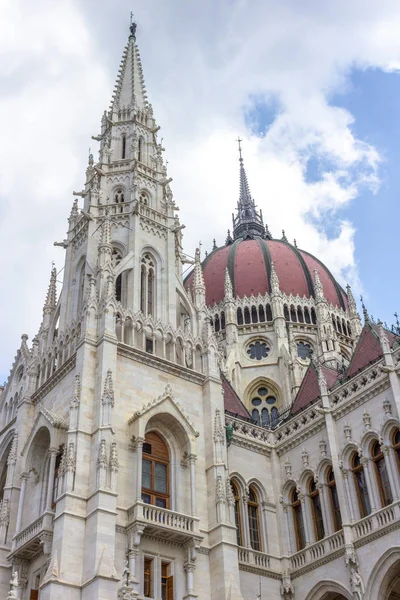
258	350
264	411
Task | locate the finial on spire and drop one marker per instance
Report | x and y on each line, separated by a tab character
228	285
295	243
248	221
229	238
284	238
319	290
365	312
132	26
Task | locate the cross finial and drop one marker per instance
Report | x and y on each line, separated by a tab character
132	25
240	149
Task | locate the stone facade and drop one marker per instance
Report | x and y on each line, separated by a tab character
302	503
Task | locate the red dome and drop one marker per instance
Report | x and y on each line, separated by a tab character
249	266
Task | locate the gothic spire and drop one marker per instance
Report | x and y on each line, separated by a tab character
248	221
51	297
130	89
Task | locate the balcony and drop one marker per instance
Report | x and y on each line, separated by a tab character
249	559
34	538
163	523
327	549
380	522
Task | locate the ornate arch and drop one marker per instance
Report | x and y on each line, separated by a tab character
383	573
321	590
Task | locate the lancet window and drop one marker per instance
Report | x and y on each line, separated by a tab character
381	473
298	520
361	486
315	498
147	285
396	445
254	520
334	500
155	471
123	146
238	520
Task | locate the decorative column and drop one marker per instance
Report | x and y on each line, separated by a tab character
326	514
345	475
50	481
370	487
306	517
392	468
24	478
285	508
114	466
139	457
192	463
102	465
189	567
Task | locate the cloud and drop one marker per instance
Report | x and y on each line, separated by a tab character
207	65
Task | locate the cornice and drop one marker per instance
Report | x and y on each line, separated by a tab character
260	571
160	364
317	563
54	379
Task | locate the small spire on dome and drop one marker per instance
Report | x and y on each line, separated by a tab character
228	285
274	280
214	244
319	290
365	312
229	238
284	238
248	221
351	300
295	243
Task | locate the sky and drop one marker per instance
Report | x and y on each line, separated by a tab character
312	88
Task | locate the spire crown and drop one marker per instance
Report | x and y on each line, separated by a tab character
51	297
248	221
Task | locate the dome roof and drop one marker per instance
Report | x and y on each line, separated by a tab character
249	265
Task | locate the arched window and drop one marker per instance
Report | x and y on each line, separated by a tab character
238	521
274	416
143	198
293	316
307	315
261	314
268	313
254	523
118	288
123	146
81	290
334	500
3	479
315	498
339	325
313	317
239	316
344	328
361	486
381	473
254	315
286	313
298	521
155	471
334	323
119	198
140	150
246	316
255	416
147	285
396	445
348	329
56	479
300	316
216	323
265	417
222	320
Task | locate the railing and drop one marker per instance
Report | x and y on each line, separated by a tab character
29	533
316	551
164	518
152	214
253	557
378	520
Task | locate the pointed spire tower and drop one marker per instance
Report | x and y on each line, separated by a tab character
248	221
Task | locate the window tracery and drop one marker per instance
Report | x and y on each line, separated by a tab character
254	523
313	491
147	285
258	350
381	473
298	520
155	471
263	409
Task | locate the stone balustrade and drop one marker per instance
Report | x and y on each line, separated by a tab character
249	558
163	523
377	521
329	546
34	538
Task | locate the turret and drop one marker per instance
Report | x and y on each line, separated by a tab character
355	320
230	313
328	343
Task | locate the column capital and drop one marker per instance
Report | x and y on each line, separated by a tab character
53	451
25	476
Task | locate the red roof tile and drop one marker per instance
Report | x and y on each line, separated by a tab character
232	401
309	390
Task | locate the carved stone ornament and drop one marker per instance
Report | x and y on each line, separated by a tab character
220	491
322	448
108	393
305	458
229	493
219	434
12	457
76	392
114	464
288	469
367	420
70	464
102	458
347	431
387	408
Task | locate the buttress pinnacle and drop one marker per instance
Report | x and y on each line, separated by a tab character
51	297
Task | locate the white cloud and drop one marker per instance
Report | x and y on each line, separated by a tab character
204	64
